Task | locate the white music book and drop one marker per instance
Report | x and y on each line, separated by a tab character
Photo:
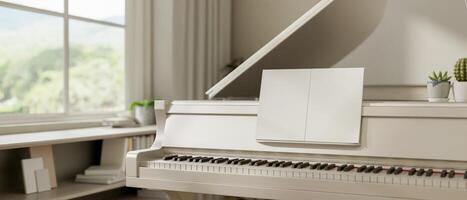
320	106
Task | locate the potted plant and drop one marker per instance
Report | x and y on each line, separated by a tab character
460	86
438	87
144	112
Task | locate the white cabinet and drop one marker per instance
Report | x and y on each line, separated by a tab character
311	106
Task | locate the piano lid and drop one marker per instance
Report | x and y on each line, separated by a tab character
291	48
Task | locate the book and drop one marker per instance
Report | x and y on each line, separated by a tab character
103	170
42	180
99	179
29	168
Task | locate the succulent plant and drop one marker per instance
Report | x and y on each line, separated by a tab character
440	76
460	70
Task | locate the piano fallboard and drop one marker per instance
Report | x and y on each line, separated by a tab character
410	130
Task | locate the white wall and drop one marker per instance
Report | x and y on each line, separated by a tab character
413	38
399	42
255	22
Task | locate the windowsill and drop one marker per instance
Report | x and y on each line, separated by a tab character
22	140
48	126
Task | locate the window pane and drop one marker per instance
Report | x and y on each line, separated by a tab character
31	62
96	67
105	10
53	5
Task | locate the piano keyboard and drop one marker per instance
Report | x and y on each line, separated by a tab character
420	177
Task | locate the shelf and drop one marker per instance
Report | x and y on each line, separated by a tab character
12	141
65	190
417	109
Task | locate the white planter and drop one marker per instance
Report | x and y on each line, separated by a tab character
460	91
438	91
145	115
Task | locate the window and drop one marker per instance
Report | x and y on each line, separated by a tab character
61	57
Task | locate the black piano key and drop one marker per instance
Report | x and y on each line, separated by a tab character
315	166
244	162
412	171
429	172
252	163
420	172
272	163
206	159
295	165
349	168
238	161
231	161
330	167
262	162
304	165
398	171
361	168
322	166
341	168
222	160
286	164
444	173
465	175
452	174
391	170
194	159
184	158
369	169
378	169
170	157
215	160
278	164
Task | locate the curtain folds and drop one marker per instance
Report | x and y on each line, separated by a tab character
176	49
139	50
206	24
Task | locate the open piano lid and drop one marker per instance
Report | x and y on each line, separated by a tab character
291	48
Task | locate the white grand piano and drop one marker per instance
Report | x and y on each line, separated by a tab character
398	150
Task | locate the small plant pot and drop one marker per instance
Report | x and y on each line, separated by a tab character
145	115
460	91
438	91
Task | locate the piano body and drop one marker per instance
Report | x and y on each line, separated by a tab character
407	149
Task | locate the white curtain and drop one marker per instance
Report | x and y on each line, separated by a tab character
176	49
139	50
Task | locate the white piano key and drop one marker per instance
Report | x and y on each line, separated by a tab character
444	183
412	181
359	178
404	179
436	182
462	184
296	174
205	168
303	174
365	178
338	176
345	177
428	182
373	178
388	180
420	182
453	183
381	179
283	173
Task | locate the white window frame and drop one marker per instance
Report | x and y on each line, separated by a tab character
65	116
